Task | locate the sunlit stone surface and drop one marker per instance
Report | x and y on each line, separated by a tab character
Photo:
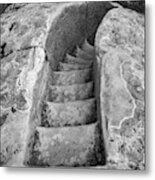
71	77
69	146
38	65
69	113
120	48
71	92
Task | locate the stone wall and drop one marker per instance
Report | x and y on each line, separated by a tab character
35	37
30	40
120	53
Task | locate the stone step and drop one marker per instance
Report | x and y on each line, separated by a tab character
88	48
67	146
84	55
73	66
71	77
72	59
71	93
69	113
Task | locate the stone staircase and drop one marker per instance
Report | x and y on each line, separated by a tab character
69	134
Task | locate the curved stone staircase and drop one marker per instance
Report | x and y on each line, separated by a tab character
69	134
70	125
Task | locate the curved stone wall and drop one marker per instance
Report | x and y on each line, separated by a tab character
120	53
30	49
68	29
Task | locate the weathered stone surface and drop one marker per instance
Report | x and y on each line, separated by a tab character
12	141
3	116
71	93
21	32
71	77
126	127
51	32
18	74
22	55
121	29
73	66
69	113
11	68
118	102
67	146
120	52
126	145
30	35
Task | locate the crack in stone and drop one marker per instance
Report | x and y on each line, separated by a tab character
18	50
134	104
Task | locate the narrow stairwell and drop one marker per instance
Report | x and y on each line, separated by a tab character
69	132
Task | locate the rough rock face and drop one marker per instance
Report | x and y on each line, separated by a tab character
71	92
22	55
70	113
120	50
35	39
69	146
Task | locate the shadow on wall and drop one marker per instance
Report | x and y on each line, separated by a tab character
3	7
138	6
75	23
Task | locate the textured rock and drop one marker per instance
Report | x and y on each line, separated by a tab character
32	37
11	86
71	93
69	113
67	146
3	116
22	55
118	102
13	131
21	32
36	35
126	129
121	29
17	82
120	50
71	77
